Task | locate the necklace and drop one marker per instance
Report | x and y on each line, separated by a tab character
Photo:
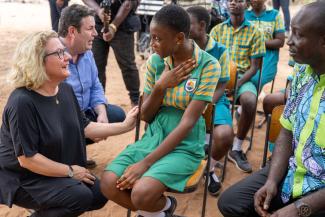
49	94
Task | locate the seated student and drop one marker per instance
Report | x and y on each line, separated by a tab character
271	24
247	46
223	131
179	82
42	137
294	183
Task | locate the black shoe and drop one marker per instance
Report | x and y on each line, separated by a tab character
214	186
173	204
240	160
91	164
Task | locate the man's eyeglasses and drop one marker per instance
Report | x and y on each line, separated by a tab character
60	53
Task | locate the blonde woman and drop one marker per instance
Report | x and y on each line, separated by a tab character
42	150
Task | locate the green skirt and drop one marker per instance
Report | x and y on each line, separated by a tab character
175	168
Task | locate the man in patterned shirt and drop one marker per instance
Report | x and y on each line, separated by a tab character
294	183
247	47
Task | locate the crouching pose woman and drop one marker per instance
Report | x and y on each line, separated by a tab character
180	80
42	138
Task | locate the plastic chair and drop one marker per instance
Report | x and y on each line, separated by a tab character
272	130
203	169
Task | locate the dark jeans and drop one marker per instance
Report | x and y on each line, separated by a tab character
284	4
114	114
123	47
238	200
69	202
56	13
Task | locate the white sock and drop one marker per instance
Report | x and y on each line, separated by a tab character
151	214
215	177
212	164
236	146
239	110
159	213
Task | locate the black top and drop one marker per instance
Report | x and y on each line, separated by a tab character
32	123
131	22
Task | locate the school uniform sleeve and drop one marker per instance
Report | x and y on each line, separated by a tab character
214	32
287	117
279	24
208	82
258	45
149	77
20	115
224	61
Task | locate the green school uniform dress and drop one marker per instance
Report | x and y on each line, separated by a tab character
175	168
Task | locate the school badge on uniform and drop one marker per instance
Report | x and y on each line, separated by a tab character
190	84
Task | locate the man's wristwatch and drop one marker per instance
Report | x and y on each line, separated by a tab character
304	210
70	171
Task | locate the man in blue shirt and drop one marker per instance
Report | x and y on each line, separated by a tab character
77	32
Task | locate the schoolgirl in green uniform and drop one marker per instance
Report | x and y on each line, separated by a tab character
179	82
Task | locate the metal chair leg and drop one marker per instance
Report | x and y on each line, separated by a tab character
207	168
266	144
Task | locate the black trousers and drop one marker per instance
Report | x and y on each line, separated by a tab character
56	13
69	202
123	47
238	200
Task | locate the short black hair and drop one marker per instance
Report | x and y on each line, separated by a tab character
174	17
201	14
72	16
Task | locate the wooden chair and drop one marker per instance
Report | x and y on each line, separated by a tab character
272	130
203	169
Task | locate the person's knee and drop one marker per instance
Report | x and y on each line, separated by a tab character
115	114
108	185
141	197
226	204
223	136
81	198
248	102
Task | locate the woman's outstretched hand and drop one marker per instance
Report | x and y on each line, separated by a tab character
131	117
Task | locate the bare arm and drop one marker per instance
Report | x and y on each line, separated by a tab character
44	166
255	62
189	119
95	130
221	86
277	42
280	156
168	79
123	12
278	169
93	4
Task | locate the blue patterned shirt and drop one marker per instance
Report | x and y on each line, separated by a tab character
304	115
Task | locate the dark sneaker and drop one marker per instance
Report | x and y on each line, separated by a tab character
91	164
214	185
239	158
173	204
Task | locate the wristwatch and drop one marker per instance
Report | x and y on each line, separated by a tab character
70	172
304	210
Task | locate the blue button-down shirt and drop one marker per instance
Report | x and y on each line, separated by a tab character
85	83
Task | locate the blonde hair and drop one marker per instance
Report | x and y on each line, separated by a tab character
28	68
